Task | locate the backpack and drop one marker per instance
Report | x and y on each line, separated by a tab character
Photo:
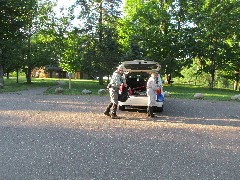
124	94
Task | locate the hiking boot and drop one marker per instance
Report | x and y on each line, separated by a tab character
106	113
114	116
153	116
150	112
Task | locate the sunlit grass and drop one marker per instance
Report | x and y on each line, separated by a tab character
182	91
77	86
11	84
188	91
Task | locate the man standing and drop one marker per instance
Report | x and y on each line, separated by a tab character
152	87
117	80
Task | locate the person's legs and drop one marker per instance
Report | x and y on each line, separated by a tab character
114	112
114	100
107	111
113	105
151	112
148	111
151	103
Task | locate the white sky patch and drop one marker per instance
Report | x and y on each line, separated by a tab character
66	4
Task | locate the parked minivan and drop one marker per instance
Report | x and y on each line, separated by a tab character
137	74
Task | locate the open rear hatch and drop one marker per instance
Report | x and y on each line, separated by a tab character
141	66
138	73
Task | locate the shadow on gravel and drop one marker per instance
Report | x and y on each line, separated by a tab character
214	122
217	122
233	121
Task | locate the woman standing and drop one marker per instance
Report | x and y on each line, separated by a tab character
152	87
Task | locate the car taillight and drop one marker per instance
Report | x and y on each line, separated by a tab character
130	91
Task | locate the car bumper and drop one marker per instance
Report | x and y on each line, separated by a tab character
138	101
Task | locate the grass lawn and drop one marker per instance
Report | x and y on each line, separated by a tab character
188	91
77	86
175	91
11	85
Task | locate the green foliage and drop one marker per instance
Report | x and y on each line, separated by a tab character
152	34
199	37
190	76
21	23
215	32
194	75
174	33
97	49
14	74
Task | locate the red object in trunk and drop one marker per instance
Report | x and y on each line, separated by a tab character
121	88
159	91
130	91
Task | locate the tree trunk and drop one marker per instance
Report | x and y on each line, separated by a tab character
100	23
1	77
235	86
7	75
100	33
100	80
212	76
236	80
28	75
17	74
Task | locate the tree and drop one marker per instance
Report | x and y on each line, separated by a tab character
99	18
12	14
215	25
21	22
39	21
151	34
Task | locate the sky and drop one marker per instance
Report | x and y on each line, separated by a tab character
68	3
65	2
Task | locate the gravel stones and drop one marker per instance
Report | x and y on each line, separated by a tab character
68	137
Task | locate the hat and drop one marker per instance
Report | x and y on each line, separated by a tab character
154	71
121	67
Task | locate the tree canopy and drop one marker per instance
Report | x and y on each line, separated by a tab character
202	35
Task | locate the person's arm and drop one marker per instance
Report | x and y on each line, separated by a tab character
116	80
159	80
124	80
154	85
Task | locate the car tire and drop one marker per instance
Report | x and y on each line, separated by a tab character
122	108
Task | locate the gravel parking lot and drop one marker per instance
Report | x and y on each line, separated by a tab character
67	137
